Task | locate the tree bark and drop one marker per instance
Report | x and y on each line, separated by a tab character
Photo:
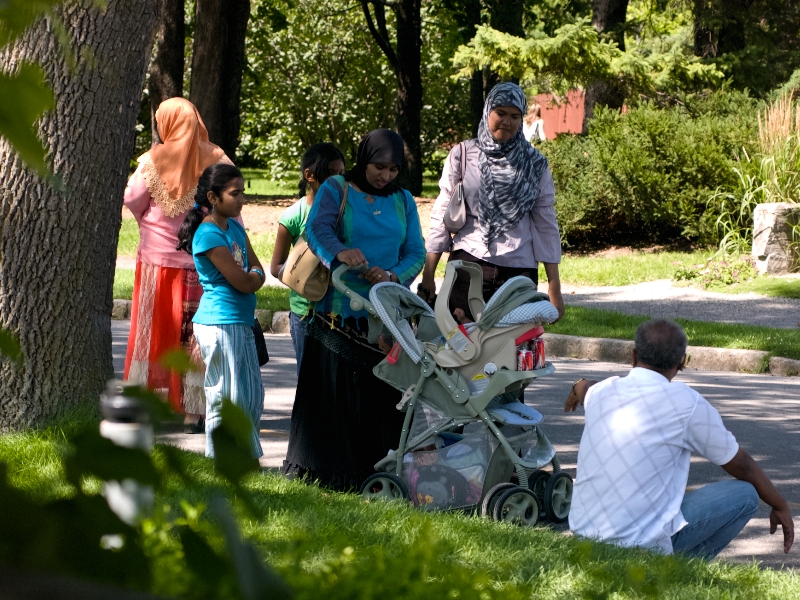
166	71
467	15
719	27
608	17
406	61
217	66
58	245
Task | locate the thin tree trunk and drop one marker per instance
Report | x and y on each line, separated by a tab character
408	107
476	100
217	66
58	248
166	71
608	17
406	61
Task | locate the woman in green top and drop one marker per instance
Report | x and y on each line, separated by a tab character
318	163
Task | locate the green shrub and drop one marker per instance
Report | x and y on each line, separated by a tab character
647	175
718	272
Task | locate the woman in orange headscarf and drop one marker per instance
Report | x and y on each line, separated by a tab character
166	291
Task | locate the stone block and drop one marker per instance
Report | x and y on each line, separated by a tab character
706	358
280	321
121	310
785	367
772	237
609	350
265	319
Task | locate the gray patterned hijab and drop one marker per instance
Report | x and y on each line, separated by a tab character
510	172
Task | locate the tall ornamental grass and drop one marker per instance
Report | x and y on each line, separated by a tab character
770	175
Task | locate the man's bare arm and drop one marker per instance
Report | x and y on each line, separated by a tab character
742	466
577	394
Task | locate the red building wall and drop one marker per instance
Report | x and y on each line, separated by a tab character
566	117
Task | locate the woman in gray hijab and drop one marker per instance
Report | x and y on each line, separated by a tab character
509	197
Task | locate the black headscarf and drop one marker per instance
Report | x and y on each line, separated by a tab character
378	146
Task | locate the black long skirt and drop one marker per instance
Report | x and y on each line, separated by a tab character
344	419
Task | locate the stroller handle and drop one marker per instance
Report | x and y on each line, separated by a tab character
357	302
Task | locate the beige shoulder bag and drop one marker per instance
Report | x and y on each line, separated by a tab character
455	217
303	271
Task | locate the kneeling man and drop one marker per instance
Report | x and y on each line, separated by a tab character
633	460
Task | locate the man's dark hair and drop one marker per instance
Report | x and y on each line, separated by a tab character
661	344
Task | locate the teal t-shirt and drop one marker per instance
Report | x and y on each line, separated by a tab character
294	219
221	303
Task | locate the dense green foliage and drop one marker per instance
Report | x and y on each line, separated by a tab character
314	73
647	175
575	55
336	546
754	42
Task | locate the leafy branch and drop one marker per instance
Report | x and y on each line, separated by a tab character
575	56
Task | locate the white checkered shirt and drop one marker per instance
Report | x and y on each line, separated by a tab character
633	461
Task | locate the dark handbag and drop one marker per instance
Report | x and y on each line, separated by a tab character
261	344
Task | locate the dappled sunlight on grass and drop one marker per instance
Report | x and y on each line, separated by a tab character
340	544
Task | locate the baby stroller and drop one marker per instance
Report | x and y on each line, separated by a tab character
467	442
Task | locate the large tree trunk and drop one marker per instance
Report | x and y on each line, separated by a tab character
719	27
406	61
58	246
166	71
217	66
608	17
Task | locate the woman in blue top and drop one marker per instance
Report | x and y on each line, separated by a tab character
230	274
344	419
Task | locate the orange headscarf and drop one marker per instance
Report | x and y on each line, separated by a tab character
172	169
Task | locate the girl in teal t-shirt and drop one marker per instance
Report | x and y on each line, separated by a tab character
230	274
318	163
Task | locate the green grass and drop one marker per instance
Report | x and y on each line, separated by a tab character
128	238
123	284
268	297
766	286
337	546
272	298
592	322
626	269
258	182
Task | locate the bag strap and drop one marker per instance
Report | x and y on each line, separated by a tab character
463	159
342	205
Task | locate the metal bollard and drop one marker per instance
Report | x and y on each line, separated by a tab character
127	424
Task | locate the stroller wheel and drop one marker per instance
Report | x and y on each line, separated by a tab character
384	486
519	506
558	497
490	499
537	481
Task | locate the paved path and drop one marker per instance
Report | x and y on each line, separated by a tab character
659	299
763	412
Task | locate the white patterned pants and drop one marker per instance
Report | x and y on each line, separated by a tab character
229	353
